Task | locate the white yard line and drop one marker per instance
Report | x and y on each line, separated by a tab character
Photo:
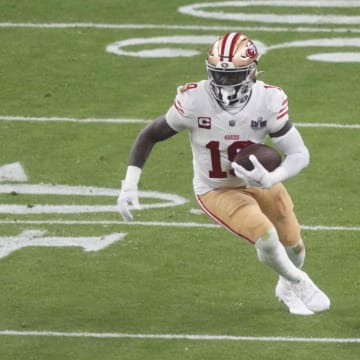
67	119
328	125
158	223
178	337
175	27
134	121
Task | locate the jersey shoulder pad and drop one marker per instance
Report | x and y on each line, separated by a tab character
276	101
189	97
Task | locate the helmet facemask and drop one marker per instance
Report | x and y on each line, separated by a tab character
231	86
231	67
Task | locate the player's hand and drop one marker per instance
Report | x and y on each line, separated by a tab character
128	195
258	176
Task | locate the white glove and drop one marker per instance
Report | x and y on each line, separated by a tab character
258	176
127	195
129	192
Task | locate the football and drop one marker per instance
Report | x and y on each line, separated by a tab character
267	156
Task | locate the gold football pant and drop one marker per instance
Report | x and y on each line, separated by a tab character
249	212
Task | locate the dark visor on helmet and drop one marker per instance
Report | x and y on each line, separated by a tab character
228	77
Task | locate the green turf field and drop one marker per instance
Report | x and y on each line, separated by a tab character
79	79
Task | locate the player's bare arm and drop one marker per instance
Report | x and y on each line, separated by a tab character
156	131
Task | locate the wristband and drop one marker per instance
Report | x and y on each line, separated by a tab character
132	176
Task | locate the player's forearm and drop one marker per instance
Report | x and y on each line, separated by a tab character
156	131
297	155
139	153
141	149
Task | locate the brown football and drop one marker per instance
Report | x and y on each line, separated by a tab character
267	156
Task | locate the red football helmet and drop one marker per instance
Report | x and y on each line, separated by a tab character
231	66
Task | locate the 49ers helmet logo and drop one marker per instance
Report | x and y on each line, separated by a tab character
251	50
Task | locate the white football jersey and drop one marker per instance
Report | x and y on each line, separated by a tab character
216	135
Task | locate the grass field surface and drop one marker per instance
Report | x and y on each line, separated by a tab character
79	79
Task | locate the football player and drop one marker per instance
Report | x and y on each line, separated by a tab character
223	114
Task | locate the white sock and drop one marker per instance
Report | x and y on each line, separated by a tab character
273	254
296	254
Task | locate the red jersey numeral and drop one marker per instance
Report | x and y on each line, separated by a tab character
216	171
214	147
188	86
